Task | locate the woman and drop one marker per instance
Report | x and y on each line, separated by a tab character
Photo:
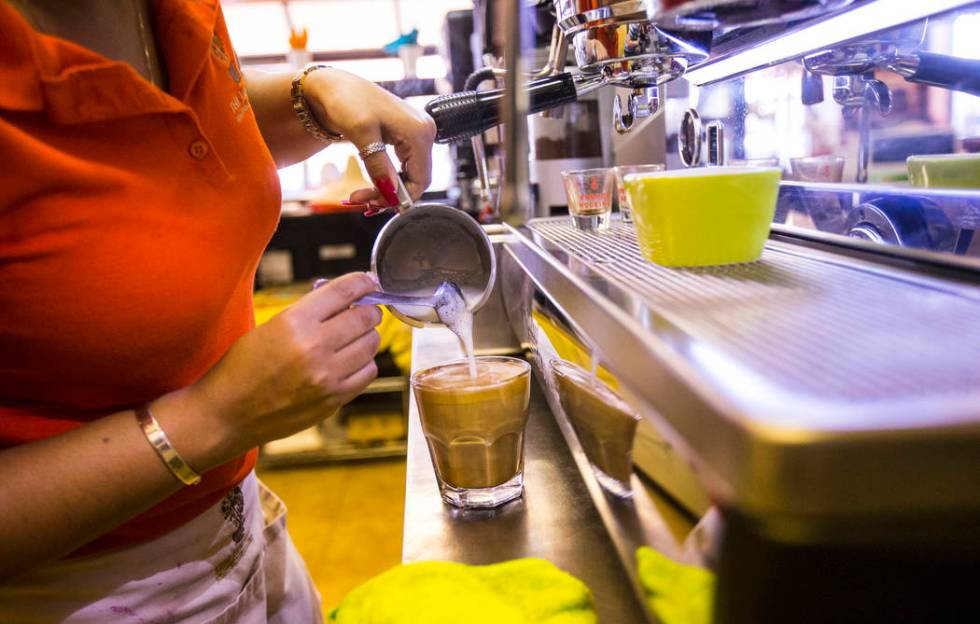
139	190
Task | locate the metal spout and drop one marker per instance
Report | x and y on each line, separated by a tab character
640	103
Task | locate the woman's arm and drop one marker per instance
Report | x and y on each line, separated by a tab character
60	493
356	108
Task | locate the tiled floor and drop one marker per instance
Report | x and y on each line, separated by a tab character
346	520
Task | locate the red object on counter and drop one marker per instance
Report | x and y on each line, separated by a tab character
127	250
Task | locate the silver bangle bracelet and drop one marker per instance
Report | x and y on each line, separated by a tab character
161	444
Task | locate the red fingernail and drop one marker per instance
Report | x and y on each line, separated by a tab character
387	189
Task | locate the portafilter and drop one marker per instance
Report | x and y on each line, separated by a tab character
619	44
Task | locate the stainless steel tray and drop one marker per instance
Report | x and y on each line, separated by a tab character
806	385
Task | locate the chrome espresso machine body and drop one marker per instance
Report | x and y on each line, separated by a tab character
817	412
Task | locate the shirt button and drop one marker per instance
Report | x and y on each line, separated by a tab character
199	149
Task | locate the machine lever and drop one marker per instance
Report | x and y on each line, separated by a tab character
940	70
461	115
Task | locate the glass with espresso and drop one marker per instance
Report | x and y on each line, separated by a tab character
474	427
603	422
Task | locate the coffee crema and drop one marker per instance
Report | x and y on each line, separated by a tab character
474	426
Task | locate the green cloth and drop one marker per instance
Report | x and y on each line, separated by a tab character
523	591
676	593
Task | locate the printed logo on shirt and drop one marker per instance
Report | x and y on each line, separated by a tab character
218	49
239	100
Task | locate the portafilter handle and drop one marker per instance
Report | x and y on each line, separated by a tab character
461	115
940	70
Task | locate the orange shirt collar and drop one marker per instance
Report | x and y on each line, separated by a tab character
77	85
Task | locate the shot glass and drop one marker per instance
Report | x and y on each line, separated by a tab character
624	201
590	193
603	422
817	168
474	428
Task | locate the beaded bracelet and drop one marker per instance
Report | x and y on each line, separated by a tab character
302	109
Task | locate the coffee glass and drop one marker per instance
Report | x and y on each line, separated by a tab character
474	428
590	194
817	168
624	200
603	422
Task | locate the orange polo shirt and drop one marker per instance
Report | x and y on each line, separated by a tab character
131	224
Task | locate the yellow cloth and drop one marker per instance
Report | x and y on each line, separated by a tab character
396	337
676	593
523	591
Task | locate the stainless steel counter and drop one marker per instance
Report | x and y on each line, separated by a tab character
556	520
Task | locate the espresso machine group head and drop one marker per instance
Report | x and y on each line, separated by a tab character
853	66
635	44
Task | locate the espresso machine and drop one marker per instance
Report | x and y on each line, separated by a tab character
569	129
811	420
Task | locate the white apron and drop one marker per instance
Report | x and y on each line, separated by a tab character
235	563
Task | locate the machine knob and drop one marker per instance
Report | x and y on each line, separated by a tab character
690	138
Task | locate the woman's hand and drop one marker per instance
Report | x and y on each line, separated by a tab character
365	113
281	377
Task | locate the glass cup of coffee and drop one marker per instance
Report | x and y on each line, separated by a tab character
590	193
603	422
624	200
474	427
817	168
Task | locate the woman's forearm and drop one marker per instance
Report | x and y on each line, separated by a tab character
284	135
59	493
62	492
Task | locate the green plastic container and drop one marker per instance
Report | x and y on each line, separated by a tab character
703	217
960	171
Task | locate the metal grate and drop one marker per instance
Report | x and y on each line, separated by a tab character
804	320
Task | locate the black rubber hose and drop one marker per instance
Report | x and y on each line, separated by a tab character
477	77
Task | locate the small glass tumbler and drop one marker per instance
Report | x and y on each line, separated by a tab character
603	422
624	201
474	428
590	193
817	168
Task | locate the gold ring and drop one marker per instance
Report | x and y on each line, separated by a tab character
371	148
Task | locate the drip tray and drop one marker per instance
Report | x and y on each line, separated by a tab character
807	382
